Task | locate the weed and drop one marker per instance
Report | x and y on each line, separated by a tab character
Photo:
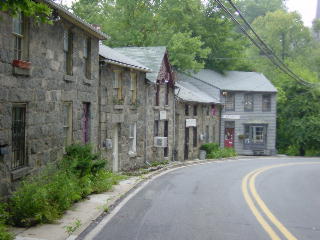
73	227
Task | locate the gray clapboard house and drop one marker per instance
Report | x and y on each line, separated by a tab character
248	118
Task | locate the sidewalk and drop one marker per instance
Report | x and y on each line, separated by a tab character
83	213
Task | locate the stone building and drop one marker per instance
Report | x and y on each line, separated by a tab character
122	94
197	116
248	119
48	90
159	101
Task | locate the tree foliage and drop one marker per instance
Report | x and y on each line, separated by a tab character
195	33
39	11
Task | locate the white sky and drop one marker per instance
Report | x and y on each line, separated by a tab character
307	8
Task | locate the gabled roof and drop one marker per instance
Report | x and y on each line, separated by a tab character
65	13
114	57
150	57
190	89
236	80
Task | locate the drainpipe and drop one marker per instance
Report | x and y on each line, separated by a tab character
220	130
146	121
174	127
101	64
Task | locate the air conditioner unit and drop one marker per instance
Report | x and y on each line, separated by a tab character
161	142
202	137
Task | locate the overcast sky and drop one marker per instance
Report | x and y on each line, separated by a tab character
307	8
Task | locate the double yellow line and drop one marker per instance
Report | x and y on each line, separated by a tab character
258	206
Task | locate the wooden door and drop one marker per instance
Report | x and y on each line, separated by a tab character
86	123
229	137
186	143
115	154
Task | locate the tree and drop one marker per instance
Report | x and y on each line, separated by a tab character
196	34
252	9
284	32
39	11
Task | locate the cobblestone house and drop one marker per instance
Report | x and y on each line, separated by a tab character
122	106
158	103
197	116
52	100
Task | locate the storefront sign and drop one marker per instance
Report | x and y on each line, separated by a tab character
191	122
163	115
231	117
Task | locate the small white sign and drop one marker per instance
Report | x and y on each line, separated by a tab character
163	115
191	122
231	116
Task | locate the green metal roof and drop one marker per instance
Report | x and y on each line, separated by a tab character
151	57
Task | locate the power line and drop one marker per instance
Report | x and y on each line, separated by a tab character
263	43
265	49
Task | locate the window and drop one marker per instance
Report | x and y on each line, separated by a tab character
87	57
186	110
117	85
133	87
229	102
19	158
266	102
255	135
86	122
207	110
157	94
133	138
167	95
195	110
67	123
195	136
248	102
165	134
68	51
20	32
156	128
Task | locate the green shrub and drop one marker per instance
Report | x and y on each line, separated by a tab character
157	163
214	151
43	198
4	216
210	147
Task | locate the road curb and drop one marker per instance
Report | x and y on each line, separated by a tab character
149	176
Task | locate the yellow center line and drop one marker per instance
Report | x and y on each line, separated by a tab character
251	178
255	211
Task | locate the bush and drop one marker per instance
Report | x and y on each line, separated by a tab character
214	151
44	198
4	215
210	147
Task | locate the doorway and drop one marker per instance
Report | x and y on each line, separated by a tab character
229	134
186	143
115	154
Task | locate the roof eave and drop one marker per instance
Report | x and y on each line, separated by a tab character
76	20
125	65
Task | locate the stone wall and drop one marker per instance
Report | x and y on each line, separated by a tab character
153	113
122	114
44	91
204	118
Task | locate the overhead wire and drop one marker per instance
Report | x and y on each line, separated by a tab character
263	43
268	52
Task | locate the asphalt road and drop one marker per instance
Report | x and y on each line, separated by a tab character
208	201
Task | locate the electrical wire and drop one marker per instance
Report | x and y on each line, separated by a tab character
263	43
265	49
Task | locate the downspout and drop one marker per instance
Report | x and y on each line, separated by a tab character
174	127
146	122
220	130
101	64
